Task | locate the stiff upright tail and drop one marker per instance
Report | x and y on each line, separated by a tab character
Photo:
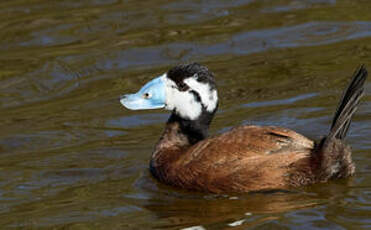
348	104
332	157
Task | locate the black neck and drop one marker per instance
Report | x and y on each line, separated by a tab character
195	130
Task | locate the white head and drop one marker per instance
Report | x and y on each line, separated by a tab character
187	90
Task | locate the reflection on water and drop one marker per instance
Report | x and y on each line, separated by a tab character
73	158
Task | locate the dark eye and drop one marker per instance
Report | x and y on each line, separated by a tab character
182	86
147	95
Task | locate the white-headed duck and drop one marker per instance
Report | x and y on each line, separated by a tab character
246	158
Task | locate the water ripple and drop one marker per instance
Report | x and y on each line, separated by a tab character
307	34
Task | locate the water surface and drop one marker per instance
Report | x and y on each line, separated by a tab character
71	157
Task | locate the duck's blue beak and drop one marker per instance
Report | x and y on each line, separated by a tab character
150	96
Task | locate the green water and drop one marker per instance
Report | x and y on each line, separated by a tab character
71	157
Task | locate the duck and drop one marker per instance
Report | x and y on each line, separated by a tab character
246	158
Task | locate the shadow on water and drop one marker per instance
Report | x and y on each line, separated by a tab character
72	158
175	209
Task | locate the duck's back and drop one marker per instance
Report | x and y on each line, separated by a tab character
251	141
244	159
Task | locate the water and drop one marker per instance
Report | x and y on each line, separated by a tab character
71	157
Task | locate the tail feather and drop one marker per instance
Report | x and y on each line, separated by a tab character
348	104
332	157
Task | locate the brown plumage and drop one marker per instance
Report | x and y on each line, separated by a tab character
253	158
244	159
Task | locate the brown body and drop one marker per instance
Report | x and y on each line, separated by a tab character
247	158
